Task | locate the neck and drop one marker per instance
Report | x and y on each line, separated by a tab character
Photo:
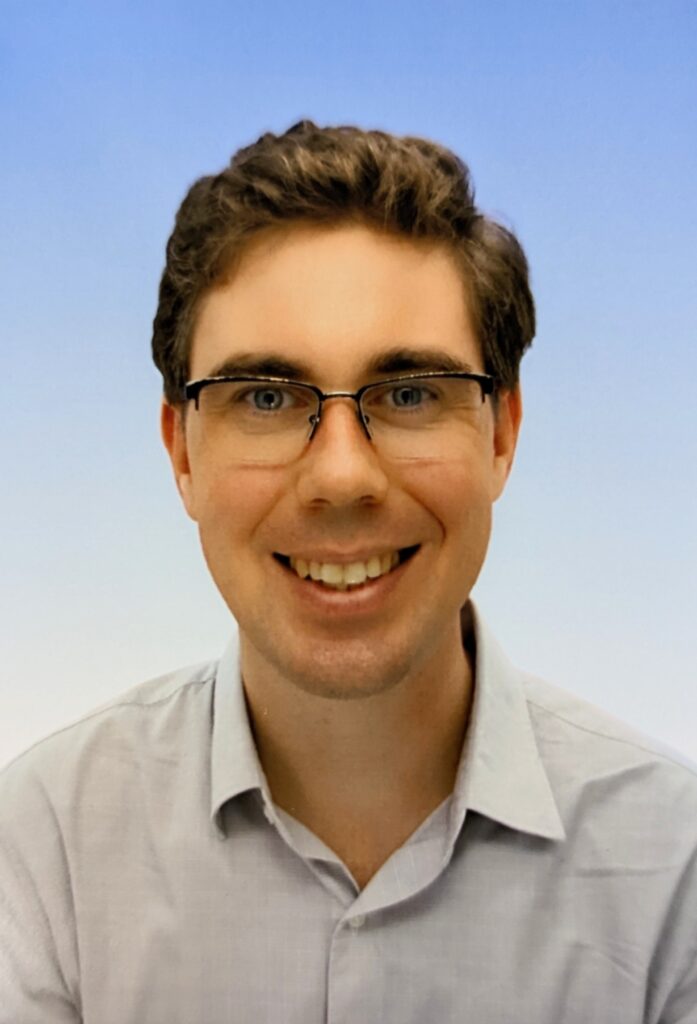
395	753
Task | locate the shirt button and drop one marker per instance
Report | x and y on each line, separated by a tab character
358	921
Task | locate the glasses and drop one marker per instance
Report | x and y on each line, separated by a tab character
271	419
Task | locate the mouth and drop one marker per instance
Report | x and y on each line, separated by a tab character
348	577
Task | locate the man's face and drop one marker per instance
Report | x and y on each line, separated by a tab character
333	299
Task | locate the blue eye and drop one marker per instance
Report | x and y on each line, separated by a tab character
272	398
404	402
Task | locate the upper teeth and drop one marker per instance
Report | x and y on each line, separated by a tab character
343	575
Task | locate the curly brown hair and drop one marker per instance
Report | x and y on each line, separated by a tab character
405	185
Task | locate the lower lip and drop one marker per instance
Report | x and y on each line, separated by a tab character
367	598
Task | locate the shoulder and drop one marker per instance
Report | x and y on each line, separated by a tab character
559	713
146	717
629	860
604	770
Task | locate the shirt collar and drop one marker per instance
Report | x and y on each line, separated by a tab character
235	765
500	775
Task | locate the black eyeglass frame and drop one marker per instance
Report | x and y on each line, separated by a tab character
192	389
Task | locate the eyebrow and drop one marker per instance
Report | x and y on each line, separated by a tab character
394	360
397	360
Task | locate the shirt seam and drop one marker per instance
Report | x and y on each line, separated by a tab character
616	739
110	707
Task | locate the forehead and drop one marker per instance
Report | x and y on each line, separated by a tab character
333	300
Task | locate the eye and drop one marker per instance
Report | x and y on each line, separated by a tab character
267	399
406	396
408	402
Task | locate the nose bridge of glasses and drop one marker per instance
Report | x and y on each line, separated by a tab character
346	397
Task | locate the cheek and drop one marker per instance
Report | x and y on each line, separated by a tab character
457	497
456	492
234	505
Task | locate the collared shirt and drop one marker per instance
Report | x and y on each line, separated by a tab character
146	876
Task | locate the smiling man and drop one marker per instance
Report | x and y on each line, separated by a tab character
362	813
347	559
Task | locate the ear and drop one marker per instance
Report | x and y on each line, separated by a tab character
173	430
508	414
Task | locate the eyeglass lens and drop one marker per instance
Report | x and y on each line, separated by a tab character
270	422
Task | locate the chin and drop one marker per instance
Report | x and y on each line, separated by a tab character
335	670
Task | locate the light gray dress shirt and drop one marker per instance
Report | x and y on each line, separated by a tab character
146	876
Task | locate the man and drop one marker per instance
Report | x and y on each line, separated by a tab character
363	813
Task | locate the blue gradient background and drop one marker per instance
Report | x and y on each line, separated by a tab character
578	121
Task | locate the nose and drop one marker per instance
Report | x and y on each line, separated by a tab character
340	465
